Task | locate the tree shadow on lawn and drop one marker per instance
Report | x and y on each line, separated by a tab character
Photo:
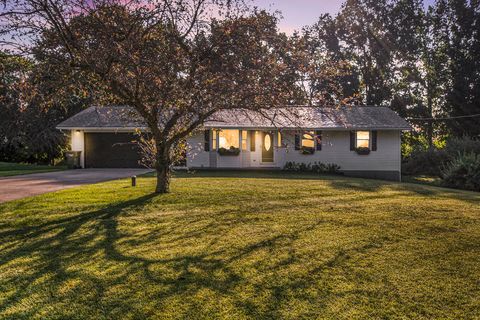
66	241
96	265
81	249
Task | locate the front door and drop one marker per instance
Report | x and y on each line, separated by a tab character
267	147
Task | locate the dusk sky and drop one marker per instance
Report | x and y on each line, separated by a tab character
298	13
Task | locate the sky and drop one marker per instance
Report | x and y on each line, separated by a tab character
299	13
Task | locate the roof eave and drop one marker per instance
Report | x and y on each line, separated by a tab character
101	128
305	127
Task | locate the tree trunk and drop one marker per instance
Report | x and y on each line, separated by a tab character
163	180
430	121
163	170
430	134
430	115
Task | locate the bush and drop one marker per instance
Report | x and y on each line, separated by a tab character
426	162
463	172
431	161
316	167
454	146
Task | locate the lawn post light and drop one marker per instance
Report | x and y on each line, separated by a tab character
134	181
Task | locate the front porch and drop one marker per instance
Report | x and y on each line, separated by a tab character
240	148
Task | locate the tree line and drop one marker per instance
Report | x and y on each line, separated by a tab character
422	62
177	62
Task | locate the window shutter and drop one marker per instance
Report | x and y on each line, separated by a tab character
207	140
252	140
352	140
297	142
374	140
318	136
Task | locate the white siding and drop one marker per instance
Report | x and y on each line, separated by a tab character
335	149
196	155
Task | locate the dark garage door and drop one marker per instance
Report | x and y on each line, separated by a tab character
111	150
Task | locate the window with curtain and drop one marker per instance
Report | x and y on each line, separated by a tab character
214	139
228	138
244	140
307	139
363	139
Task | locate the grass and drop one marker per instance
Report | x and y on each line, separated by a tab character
242	246
8	169
422	179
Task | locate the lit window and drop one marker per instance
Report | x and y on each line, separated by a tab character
214	139
244	139
363	139
307	139
279	139
228	139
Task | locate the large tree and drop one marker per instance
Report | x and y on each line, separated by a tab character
175	62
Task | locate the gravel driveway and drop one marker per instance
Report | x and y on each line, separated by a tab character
22	186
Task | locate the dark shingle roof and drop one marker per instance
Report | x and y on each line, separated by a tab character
311	117
291	117
104	117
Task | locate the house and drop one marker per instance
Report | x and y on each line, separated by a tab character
363	141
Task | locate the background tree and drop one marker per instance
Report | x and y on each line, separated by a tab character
362	27
13	72
461	26
326	74
34	98
415	87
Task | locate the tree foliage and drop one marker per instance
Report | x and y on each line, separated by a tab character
34	98
172	61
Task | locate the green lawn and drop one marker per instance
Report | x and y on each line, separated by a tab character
421	179
242	245
12	169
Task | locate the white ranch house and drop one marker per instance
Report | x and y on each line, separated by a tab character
363	141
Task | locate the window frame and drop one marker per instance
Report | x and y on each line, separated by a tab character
238	138
369	139
214	146
312	135
243	140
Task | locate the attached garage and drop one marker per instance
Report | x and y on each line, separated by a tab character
105	136
111	150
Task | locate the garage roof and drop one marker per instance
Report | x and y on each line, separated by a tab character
124	117
108	117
